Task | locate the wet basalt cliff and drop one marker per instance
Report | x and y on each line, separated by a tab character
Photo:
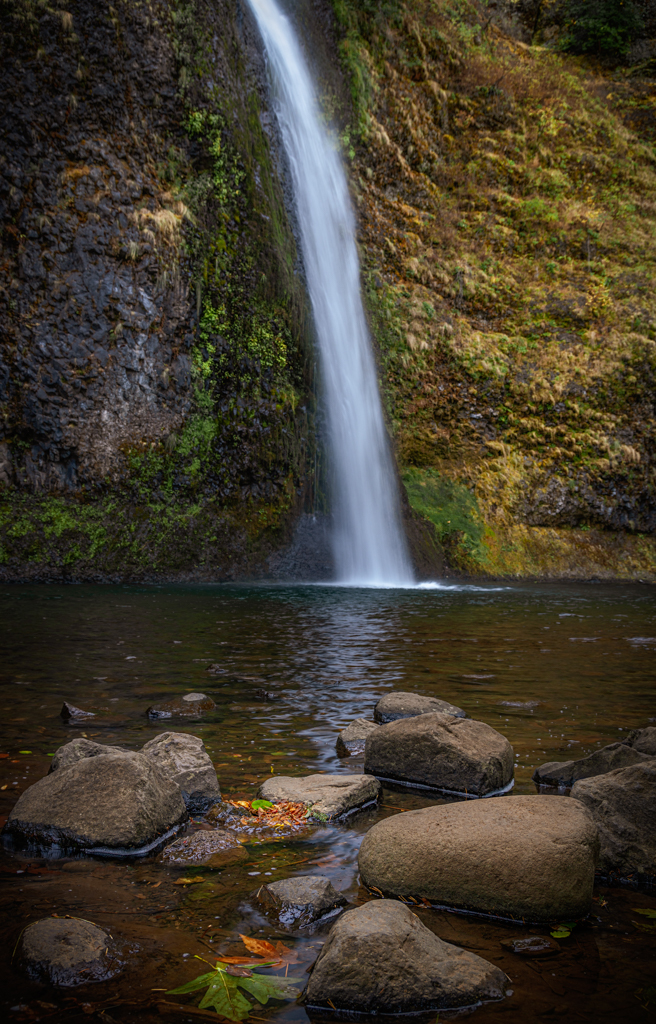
158	390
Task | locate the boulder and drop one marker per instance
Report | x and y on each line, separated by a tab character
78	750
380	958
184	760
328	796
527	857
566	773
191	705
408	705
213	849
67	951
299	902
436	751
643	740
351	740
623	807
117	802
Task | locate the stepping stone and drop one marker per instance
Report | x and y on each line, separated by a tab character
380	958
566	773
119	803
191	705
530	858
213	849
184	760
623	806
351	740
298	903
441	752
67	951
643	740
328	796
407	705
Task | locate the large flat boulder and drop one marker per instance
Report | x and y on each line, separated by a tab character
623	807
566	773
397	705
215	849
521	857
327	796
184	760
118	802
380	958
352	739
454	755
66	951
299	903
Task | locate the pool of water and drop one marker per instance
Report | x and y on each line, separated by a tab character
559	669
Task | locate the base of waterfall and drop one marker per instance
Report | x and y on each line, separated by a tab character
526	858
381	959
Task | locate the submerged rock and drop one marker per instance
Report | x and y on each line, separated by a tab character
623	806
191	705
70	711
299	902
67	951
118	801
351	740
184	760
213	849
380	958
566	773
455	755
531	945
329	796
397	705
530	857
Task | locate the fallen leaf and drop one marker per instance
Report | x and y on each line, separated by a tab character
223	990
189	881
647	913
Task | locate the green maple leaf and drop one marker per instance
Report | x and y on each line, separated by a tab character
224	996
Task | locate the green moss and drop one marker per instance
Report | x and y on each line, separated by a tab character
453	510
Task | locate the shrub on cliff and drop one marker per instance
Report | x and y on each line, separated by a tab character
603	27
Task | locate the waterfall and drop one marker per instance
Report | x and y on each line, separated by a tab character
368	540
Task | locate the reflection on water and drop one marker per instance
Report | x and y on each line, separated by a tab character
560	670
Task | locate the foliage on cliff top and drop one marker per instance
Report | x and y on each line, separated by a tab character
508	230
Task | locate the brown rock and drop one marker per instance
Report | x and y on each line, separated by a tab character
397	705
329	796
529	857
191	705
566	773
213	849
351	740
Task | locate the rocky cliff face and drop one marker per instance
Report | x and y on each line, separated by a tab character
155	388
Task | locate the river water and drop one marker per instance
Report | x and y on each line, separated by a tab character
559	669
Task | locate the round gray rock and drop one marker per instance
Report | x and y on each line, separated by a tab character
530	857
623	807
300	902
214	849
454	755
119	802
191	705
380	958
407	705
329	796
351	740
78	750
67	951
566	773
184	760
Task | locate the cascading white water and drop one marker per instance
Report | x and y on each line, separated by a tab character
369	544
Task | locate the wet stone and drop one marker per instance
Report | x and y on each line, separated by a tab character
191	705
327	796
566	773
380	958
531	945
213	849
298	903
397	705
67	952
79	750
643	740
70	711
185	761
352	739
